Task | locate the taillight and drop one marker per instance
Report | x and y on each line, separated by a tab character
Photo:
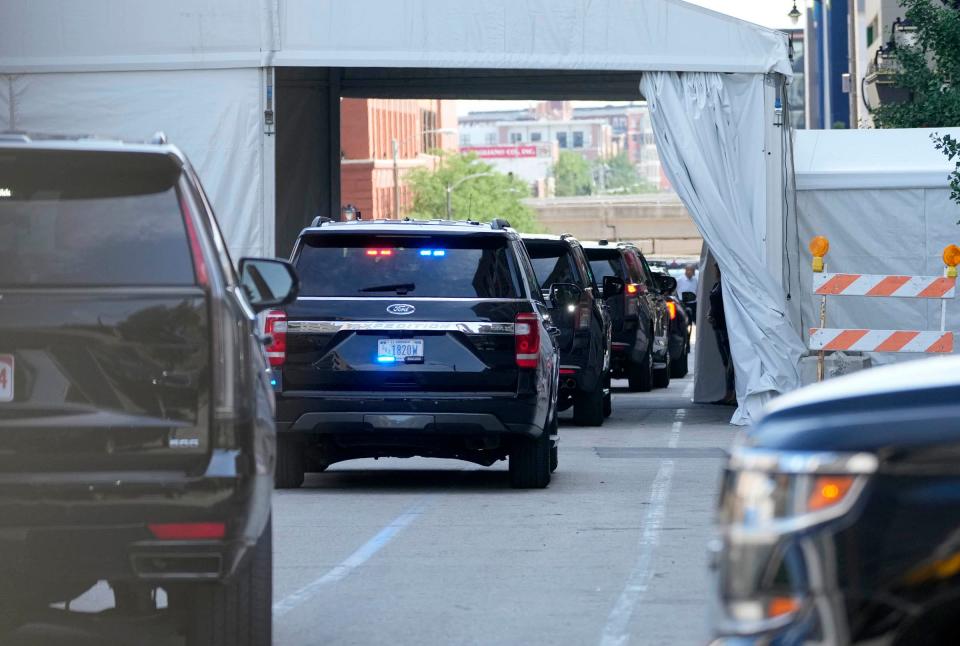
275	325
187	531
527	339
196	249
630	303
632	289
672	308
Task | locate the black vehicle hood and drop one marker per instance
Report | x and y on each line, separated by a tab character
903	412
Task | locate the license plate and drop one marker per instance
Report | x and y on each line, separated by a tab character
6	378
397	350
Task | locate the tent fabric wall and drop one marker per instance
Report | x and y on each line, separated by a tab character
214	116
882	198
710	135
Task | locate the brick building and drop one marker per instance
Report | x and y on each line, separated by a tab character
367	130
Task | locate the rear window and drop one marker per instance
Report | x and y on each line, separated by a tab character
553	263
605	263
72	218
474	266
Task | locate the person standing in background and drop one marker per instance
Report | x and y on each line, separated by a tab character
718	321
689	282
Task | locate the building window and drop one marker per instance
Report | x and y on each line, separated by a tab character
562	139
490	138
535	136
578	139
516	137
464	139
428	122
872	31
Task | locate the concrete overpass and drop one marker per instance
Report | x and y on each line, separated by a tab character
659	222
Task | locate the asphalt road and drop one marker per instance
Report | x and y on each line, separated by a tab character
442	552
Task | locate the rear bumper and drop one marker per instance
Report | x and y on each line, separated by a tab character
89	526
339	413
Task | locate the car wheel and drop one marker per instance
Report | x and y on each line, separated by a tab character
678	368
530	462
237	612
290	463
640	375
588	407
661	377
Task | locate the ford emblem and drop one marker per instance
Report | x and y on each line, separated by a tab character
401	309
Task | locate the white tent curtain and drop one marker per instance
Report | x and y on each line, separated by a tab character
709	130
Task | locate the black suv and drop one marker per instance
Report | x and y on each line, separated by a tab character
136	430
577	309
641	318
678	340
840	514
415	338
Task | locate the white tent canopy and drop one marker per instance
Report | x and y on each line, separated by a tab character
203	70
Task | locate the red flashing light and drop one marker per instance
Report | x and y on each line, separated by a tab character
632	288
371	252
672	307
379	252
187	531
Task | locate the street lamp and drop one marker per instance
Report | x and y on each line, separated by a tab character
395	144
794	14
460	181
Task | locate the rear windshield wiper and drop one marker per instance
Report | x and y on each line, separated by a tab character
399	288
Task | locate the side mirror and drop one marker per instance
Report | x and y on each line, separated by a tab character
268	282
612	286
666	283
564	294
688	297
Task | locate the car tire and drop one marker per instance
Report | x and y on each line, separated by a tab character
608	404
554	458
661	377
679	368
239	611
530	462
640	375
588	407
291	463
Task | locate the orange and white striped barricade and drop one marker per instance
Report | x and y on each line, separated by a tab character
825	339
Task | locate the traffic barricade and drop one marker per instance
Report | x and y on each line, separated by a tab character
823	339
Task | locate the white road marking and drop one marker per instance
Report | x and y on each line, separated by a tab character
352	562
617	630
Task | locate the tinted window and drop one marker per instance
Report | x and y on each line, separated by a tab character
91	219
447	267
553	264
605	263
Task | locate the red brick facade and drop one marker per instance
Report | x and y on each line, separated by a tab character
367	129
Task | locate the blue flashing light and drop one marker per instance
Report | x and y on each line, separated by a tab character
386	359
439	252
426	252
273	382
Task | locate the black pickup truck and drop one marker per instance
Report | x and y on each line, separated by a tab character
137	443
840	514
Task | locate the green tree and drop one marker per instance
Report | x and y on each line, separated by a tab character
622	176
929	70
572	175
489	195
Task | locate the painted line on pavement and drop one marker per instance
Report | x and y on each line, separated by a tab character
352	562
617	630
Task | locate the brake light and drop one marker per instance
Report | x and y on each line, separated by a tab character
632	288
187	531
196	249
275	324
672	308
527	339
